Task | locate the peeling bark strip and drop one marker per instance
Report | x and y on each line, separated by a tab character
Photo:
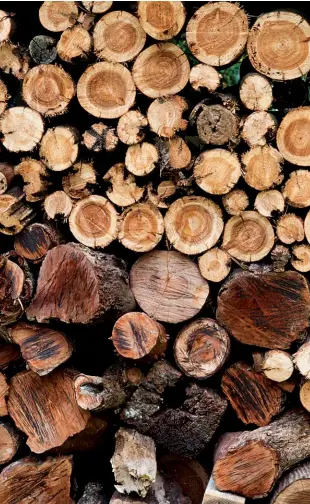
89	285
244	308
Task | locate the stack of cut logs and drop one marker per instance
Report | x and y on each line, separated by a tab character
155	246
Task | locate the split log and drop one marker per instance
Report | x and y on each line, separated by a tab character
269	203
9	354
100	137
13	60
42	49
118	37
15	214
22	128
277	365
58	17
80	182
278	45
42	348
280	256
217	171
74	43
94	222
259	128
174	153
41	406
9	442
106	90
290	228
214	265
16	287
35	241
296	190
141	159
165	115
204	76
4	96
301	258
188	473
184	430
255	399
123	190
59	147
7	25
48	89
136	336
217	125
262	167
168	286
217	33
235	202
134	462
35	177
213	495
292	136
161	21
270	328
201	348
278	446
58	205
141	227
293	487
7	175
98	287
4	392
193	224
97	7
33	480
302	359
131	127
110	391
248	237
256	92
160	70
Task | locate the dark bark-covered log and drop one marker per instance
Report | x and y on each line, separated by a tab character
10	440
185	430
201	348
7	174
109	391
100	137
136	336
31	480
244	308
134	462
168	286
254	398
42	49
294	487
216	125
15	214
251	464
41	347
35	241
16	287
89	284
80	182
45	409
94	494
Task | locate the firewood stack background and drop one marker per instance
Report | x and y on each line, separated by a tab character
155	250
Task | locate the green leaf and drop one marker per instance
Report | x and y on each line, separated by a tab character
231	75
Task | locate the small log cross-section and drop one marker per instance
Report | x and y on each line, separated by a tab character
131	127
294	486
29	480
161	20
269	203
302	359
277	365
22	128
134	462
292	137
296	190
89	285
41	347
4	96
141	159
4	391
201	348
57	17
235	202
193	224
217	33
74	42
42	49
254	398
123	190
141	227
100	137
214	265
256	92
271	327
216	125
118	37
165	115
259	128
35	177
161	70
217	171
136	336
35	241
262	167
58	205
59	147
204	76
79	183
41	407
94	221
252	463
168	286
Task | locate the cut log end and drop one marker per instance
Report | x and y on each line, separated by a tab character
217	171
42	49
256	92
58	17
35	241
22	129
74	43
131	127
296	190
235	202
217	125
100	137
59	147
58	205
292	136
35	177
80	182
277	365
123	190
165	116
214	265
269	203
262	167
141	227
204	76
141	159
259	129
161	21
290	229
301	258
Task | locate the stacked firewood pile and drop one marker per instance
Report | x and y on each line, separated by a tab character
155	245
